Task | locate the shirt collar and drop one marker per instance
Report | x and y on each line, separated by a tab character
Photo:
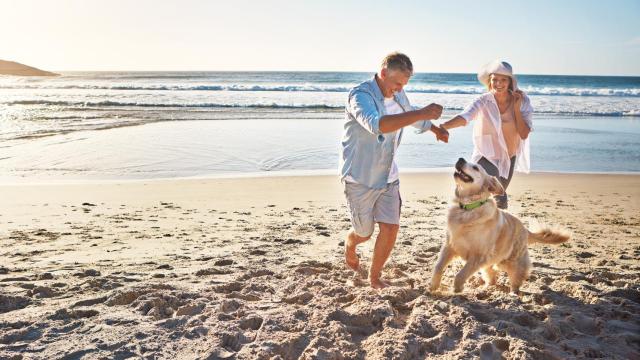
376	89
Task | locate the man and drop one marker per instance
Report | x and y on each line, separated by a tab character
376	112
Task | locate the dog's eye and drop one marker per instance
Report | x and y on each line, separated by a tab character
475	167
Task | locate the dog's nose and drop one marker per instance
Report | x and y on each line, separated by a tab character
461	162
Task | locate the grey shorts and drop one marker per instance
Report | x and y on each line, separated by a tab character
370	206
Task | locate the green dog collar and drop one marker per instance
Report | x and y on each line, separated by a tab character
473	205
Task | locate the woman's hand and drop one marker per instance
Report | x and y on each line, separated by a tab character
518	95
521	126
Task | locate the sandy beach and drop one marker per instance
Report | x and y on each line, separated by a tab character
252	268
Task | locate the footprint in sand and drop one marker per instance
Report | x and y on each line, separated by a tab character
11	303
253	322
228	306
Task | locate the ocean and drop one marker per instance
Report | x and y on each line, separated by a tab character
147	125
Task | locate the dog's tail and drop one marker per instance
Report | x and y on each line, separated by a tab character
549	235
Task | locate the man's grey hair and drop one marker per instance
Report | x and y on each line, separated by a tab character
398	61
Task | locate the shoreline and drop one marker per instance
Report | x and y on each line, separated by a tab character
323	188
281	174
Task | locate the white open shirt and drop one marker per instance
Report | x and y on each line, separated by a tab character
488	140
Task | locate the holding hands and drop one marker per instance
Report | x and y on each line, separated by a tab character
432	112
441	133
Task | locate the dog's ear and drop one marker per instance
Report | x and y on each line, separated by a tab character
493	185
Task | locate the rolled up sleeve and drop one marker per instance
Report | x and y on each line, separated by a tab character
471	111
422	125
363	108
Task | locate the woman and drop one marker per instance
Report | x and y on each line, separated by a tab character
502	125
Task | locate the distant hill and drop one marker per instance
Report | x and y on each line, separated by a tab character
14	68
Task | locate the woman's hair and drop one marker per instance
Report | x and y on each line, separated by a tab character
510	82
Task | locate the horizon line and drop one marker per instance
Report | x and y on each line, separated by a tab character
337	71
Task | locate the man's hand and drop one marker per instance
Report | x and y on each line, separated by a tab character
441	133
432	111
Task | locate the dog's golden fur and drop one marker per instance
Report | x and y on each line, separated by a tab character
486	236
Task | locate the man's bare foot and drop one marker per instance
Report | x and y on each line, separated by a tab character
350	256
379	283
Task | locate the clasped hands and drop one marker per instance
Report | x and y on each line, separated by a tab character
433	112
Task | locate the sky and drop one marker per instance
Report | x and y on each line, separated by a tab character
585	37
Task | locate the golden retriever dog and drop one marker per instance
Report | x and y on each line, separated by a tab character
485	236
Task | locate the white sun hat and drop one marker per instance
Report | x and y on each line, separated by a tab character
497	67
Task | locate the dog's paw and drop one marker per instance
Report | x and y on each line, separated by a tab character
435	282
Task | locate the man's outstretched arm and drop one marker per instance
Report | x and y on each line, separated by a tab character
391	123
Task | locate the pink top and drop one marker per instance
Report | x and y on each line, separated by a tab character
509	131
